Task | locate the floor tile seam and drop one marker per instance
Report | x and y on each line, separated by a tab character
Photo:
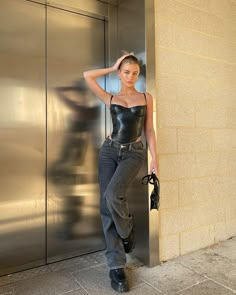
71	272
75	260
137	285
143	284
76	281
196	284
207	276
14	290
149	284
87	268
13	284
67	292
193	270
81	286
7	293
71	290
5	284
13	277
222	285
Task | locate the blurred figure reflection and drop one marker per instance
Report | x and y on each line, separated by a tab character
68	169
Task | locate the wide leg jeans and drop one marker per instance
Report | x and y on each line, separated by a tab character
119	164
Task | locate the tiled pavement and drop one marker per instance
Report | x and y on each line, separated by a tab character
210	271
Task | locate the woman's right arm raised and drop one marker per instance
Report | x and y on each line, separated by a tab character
91	76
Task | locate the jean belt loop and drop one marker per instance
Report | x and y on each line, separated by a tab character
130	147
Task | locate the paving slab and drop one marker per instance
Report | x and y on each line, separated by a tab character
6	290
212	265
170	277
144	289
207	288
54	283
4	281
226	249
210	271
79	263
23	275
76	292
94	281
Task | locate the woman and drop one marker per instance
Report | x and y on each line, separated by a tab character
120	159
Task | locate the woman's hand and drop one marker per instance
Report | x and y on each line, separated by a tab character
153	167
119	60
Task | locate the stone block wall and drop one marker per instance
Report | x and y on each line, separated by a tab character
196	122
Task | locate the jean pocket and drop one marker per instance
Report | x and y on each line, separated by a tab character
138	146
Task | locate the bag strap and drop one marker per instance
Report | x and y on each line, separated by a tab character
150	178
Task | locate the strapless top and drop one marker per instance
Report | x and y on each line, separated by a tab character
127	122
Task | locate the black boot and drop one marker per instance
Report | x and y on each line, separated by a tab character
118	280
129	242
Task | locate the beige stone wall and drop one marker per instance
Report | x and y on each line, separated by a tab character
196	122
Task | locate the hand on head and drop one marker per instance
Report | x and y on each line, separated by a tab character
119	60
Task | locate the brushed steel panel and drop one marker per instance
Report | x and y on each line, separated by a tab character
129	20
76	129
154	258
22	135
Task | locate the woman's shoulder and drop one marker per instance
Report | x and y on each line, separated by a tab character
148	96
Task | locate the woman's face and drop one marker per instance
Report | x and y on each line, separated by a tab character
129	74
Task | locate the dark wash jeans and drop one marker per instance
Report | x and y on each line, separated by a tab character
118	166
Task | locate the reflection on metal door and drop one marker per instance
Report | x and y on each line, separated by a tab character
68	121
22	135
75	130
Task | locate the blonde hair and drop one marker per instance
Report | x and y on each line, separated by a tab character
130	58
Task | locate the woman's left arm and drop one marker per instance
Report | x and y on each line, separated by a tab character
150	135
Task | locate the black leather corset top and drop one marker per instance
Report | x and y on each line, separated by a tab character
127	122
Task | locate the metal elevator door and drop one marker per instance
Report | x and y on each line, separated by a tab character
22	135
51	128
76	128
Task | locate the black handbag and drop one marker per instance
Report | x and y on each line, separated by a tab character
155	194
